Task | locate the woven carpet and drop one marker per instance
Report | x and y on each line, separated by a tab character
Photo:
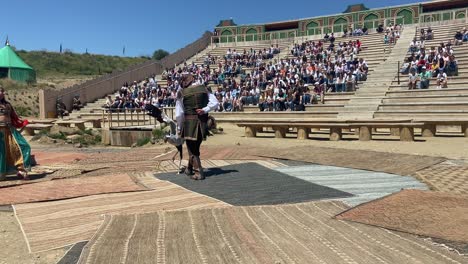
431	214
300	233
446	177
253	184
170	166
48	225
69	188
401	164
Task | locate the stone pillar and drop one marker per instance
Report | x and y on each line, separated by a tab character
407	134
280	132
395	131
336	134
302	133
465	129
365	133
250	131
429	130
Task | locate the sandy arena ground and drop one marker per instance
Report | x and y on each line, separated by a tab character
14	249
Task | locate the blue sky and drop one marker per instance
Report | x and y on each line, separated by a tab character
143	26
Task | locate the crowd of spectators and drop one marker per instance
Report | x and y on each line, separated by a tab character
425	63
272	84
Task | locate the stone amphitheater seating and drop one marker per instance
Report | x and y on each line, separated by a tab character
451	102
398	102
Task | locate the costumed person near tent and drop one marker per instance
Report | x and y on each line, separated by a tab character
15	152
193	104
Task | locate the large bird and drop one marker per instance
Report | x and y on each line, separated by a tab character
173	138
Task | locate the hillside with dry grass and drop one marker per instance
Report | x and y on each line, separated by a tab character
58	71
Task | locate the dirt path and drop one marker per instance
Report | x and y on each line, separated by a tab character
14	249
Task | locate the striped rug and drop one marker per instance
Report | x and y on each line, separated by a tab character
69	188
301	233
48	225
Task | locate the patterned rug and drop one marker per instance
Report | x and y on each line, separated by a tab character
446	177
300	233
48	225
68	188
401	164
430	214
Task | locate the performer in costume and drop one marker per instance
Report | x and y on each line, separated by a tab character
197	102
15	152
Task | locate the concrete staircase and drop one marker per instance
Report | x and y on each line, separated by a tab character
368	97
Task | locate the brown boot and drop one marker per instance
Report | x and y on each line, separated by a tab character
199	175
189	169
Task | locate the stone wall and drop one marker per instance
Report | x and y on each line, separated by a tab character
92	90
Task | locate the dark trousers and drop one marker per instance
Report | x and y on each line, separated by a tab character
193	146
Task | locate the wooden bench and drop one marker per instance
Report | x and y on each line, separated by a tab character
336	126
430	125
68	123
303	129
42	121
406	130
95	122
30	129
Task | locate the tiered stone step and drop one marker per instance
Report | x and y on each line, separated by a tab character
451	102
369	96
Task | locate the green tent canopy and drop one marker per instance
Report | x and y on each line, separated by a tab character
13	67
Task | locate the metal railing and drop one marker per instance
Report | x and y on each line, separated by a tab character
274	37
445	17
281	36
118	117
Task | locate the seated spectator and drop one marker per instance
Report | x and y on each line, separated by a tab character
429	34
421	63
422	34
77	105
345	32
458	38
465	34
365	30
412	80
380	29
306	97
118	102
332	38
326	37
280	100
386	39
424	79
61	108
434	68
109	102
340	82
452	67
441	80
227	102
405	67
350	81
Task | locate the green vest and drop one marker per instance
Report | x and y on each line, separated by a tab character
195	97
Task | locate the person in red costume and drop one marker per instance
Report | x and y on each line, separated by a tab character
15	152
